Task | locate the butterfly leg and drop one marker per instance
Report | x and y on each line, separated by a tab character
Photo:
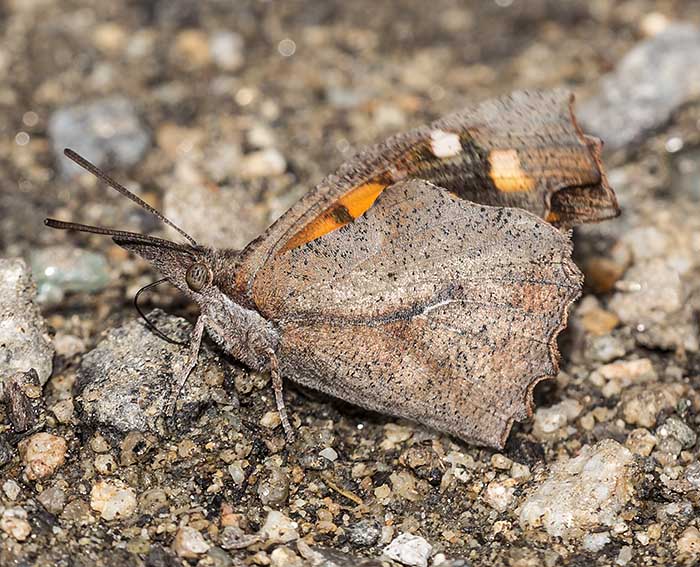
279	396
195	342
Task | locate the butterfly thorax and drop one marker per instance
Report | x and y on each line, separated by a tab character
241	332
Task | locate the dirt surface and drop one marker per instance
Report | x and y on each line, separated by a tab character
222	115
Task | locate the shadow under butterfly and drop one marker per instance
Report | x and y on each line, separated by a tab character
428	278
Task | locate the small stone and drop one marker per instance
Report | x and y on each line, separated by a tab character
692	474
364	533
263	163
409	549
329	453
641	442
99	444
191	49
63	410
113	499
285	557
641	405
501	462
106	130
237	472
500	494
78	512
61	269
606	348
134	447
583	492
271	420
189	543
549	422
599	322
275	489
227	50
278	528
676	428
595	542
404	485
689	542
23	333
624	556
520	472
105	464
53	499
42	453
14	523
11	489
394	435
620	375
110	37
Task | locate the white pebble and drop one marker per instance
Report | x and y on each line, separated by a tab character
409	549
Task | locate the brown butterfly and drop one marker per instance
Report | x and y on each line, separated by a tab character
420	280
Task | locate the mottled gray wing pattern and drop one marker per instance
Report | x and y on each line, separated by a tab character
426	307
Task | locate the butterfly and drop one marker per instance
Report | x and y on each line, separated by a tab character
427	278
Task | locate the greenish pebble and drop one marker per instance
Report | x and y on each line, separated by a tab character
59	269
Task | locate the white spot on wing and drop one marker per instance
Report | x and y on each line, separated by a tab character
435	306
444	144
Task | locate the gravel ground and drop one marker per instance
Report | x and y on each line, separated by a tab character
222	115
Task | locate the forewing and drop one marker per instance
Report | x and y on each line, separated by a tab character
427	307
524	150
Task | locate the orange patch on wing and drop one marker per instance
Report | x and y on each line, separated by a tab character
346	209
552	216
507	173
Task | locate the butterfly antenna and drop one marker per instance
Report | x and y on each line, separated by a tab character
102	176
149	323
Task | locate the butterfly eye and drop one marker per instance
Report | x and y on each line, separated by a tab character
197	276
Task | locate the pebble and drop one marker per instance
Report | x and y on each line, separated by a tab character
582	493
53	499
23	333
42	454
105	464
364	533
676	428
63	410
275	489
104	130
656	306
271	420
645	88
11	489
614	377
641	442
191	49
278	528
285	557
227	50
520	472
594	542
692	474
61	269
500	494
329	453
189	543
263	163
642	404
689	542
549	422
409	549
404	485
127	380
113	499
14	523
624	556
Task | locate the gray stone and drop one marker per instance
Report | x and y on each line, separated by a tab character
409	549
58	269
23	334
106	131
676	428
651	81
126	382
364	533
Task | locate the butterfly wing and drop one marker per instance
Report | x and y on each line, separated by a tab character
426	307
524	150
